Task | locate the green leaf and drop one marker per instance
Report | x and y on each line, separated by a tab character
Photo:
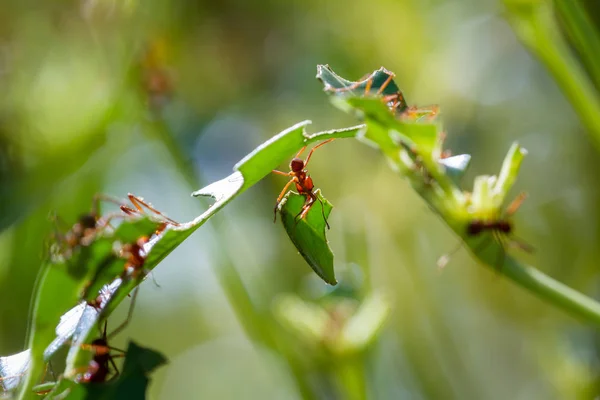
132	382
128	232
64	279
59	289
379	83
509	172
308	234
50	303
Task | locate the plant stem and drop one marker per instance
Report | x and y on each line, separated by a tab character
582	33
350	377
537	28
555	292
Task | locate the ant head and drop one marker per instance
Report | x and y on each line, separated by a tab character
99	342
474	227
296	165
88	221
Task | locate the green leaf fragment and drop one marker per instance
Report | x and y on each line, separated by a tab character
64	280
132	382
308	234
58	291
379	83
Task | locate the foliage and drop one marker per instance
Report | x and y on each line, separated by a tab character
334	341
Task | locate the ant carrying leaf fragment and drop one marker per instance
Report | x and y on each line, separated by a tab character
304	184
304	227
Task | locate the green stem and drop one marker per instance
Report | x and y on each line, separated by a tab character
582	33
536	27
570	300
350	377
229	278
251	320
528	277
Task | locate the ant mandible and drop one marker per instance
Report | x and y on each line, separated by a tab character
304	184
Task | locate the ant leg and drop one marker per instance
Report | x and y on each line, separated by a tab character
368	86
285	188
48	367
138	202
98	197
280	172
129	211
114	365
111	359
501	254
313	149
384	85
521	244
310	201
353	86
444	259
129	313
104	222
96	202
516	203
323	212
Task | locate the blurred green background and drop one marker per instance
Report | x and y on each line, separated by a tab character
161	98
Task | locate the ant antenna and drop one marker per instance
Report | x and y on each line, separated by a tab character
154	279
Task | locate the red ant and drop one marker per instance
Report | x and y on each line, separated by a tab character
83	232
500	228
134	252
304	184
99	368
139	205
395	101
